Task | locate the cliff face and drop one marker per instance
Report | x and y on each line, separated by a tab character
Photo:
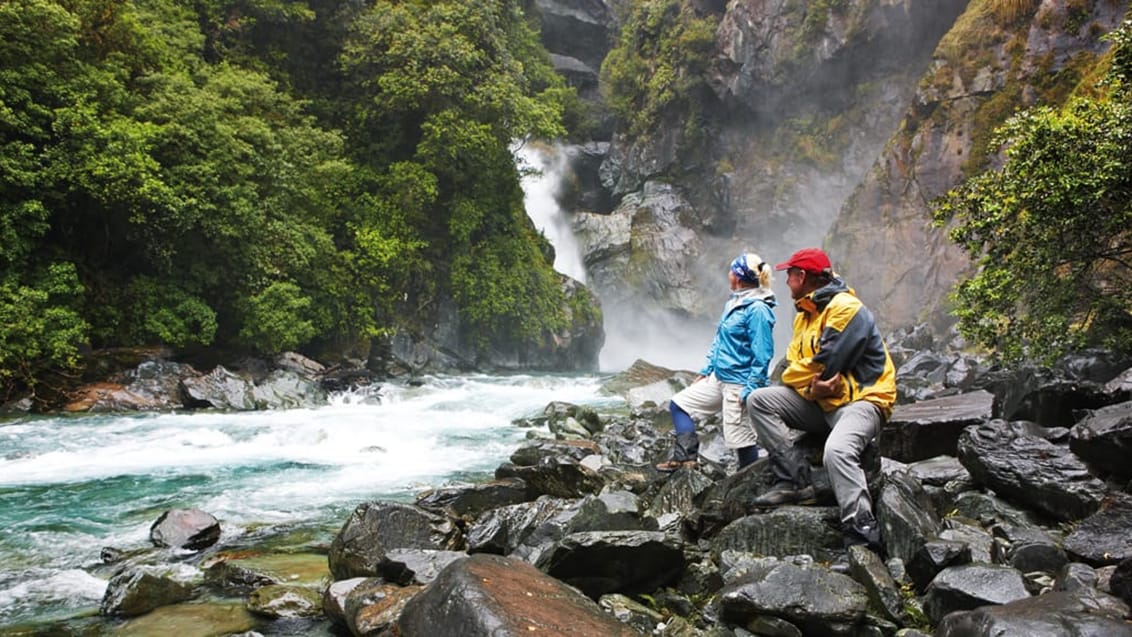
827	123
986	67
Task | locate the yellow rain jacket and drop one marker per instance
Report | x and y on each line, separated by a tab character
835	333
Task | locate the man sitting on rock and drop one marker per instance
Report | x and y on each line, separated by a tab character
839	380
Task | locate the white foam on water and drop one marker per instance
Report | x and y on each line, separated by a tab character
71	588
71	485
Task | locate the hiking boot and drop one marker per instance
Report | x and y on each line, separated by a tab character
864	531
685	451
791	474
784	493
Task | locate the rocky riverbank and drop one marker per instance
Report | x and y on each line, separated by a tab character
1003	496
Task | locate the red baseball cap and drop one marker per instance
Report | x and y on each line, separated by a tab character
808	259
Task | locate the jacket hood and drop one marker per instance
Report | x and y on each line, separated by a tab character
821	297
746	295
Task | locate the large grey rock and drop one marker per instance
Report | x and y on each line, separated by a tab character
1103	439
614	511
813	599
189	529
970	586
785	531
285	389
140	589
1103	538
501	530
559	477
220	389
415	566
375	528
282	601
1030	471
372	607
1082	613
473	500
629	562
931	428
487	596
906	516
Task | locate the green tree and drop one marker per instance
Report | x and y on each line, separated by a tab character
1050	232
659	64
448	87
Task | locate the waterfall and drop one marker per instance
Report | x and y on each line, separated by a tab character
544	167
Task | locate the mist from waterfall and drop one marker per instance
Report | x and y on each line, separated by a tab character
544	167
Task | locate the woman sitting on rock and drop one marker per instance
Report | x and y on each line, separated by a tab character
737	363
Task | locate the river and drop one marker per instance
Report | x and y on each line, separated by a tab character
71	485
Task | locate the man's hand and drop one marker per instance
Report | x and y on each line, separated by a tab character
825	388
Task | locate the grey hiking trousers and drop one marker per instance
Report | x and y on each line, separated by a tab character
773	411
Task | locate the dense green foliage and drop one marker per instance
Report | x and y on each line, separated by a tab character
1051	230
265	174
659	64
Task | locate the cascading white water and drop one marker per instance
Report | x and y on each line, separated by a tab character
540	189
70	485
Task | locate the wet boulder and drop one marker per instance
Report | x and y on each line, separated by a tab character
470	501
813	600
335	594
189	529
501	530
285	389
416	566
630	562
1103	439
234	578
486	595
1048	396
1075	576
867	568
373	607
934	556
558	476
375	528
906	515
140	589
285	601
534	452
676	499
566	418
787	530
1030	471
613	511
1103	538
1121	581
1029	549
1084	613
931	428
968	587
220	389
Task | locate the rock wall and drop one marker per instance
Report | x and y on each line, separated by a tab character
834	129
883	239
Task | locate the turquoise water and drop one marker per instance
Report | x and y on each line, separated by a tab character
70	486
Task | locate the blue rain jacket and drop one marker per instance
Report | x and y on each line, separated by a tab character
744	340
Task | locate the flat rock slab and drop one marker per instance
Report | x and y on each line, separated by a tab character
931	428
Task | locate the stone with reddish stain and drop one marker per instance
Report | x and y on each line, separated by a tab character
489	595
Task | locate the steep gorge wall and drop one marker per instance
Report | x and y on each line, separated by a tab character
988	65
832	124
